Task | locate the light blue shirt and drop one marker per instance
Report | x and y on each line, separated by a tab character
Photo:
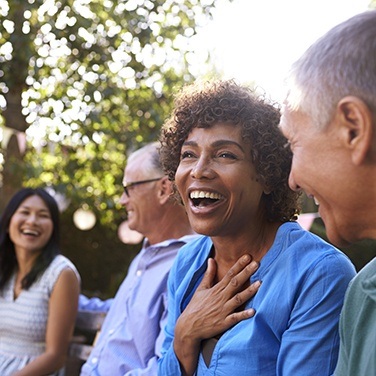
94	304
295	329
132	333
357	352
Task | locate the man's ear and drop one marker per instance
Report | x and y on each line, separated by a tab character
165	190
357	123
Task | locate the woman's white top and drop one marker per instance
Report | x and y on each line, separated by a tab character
23	320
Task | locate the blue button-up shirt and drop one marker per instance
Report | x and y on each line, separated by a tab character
295	329
132	333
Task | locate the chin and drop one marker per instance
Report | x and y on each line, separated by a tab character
131	225
201	229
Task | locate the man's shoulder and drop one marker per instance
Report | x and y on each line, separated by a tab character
368	271
365	281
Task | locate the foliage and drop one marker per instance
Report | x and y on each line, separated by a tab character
89	81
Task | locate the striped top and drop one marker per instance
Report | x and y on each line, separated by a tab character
23	320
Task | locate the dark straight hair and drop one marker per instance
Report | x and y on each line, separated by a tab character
8	261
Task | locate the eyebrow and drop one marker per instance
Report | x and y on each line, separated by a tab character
216	144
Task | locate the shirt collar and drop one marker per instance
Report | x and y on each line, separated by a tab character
168	242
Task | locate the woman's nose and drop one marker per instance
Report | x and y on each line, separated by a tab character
202	169
32	218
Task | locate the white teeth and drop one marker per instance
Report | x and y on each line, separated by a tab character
316	201
202	194
30	232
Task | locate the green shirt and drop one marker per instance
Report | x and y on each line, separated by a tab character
357	354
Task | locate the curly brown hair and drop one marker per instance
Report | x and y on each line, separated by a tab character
202	105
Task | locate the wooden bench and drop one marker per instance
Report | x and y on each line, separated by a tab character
87	328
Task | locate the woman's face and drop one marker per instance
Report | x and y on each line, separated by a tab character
31	225
217	181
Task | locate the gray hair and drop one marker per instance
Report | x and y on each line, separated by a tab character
152	165
341	63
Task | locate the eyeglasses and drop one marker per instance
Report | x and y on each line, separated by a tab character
126	187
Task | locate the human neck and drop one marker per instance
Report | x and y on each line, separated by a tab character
172	225
25	260
229	249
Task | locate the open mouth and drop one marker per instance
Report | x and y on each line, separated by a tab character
30	232
202	199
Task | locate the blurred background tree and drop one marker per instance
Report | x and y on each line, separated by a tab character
82	84
88	81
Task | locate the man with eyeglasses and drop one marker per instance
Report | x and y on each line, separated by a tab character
132	333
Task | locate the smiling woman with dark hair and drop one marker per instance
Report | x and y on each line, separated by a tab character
38	287
229	161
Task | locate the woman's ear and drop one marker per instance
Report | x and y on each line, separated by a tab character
356	122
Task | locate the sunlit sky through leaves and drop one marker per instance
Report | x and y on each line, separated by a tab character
253	41
257	40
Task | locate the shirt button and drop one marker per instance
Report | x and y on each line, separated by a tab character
139	272
111	331
94	360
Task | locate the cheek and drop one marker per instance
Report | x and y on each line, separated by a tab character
179	178
48	226
12	235
12	228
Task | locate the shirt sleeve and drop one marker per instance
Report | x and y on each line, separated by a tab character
168	364
310	344
93	304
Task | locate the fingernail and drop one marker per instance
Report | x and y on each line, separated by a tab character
257	283
251	312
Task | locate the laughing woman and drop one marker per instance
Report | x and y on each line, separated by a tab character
230	164
38	288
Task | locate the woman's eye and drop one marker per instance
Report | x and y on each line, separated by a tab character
227	155
187	154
